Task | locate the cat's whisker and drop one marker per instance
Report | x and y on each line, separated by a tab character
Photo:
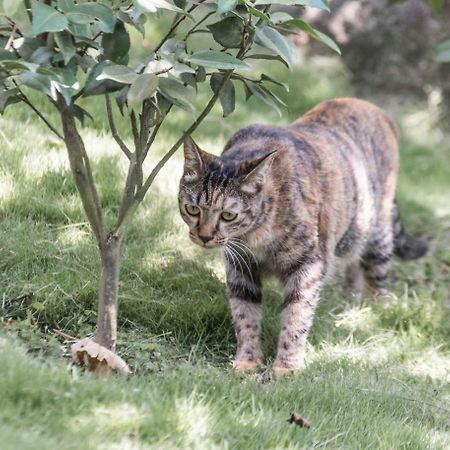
241	258
235	255
245	249
229	257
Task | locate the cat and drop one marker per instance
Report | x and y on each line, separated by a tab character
293	202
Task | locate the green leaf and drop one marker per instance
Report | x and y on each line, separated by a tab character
316	34
274	40
227	95
8	98
443	52
180	3
42	56
46	19
267	56
10	7
144	87
176	93
189	79
39	82
84	13
200	74
93	86
65	43
20	16
6	55
116	45
66	84
224	6
280	16
152	6
121	74
256	12
81	32
121	98
80	113
29	46
65	5
264	95
228	32
265	77
19	65
217	60
320	4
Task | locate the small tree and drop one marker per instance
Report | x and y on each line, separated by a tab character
67	49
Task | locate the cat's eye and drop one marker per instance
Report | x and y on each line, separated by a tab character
228	216
193	210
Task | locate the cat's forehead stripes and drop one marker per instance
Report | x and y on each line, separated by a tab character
216	180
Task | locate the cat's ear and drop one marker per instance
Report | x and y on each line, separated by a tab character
194	157
255	170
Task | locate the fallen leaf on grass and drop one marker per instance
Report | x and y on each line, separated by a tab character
88	353
299	420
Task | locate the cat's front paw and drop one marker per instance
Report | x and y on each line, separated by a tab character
245	365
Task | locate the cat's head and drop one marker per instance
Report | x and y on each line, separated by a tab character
221	198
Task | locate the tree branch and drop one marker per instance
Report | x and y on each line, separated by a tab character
148	182
134	129
25	99
129	190
154	133
82	173
140	194
192	30
114	132
175	25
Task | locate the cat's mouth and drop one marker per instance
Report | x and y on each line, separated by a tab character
210	244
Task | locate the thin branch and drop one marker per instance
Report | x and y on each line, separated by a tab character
134	129
169	34
25	99
141	193
66	336
78	95
138	197
11	38
154	133
114	132
148	182
129	190
168	69
194	28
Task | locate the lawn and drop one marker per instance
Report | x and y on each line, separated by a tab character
378	374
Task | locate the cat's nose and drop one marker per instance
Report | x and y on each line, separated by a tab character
205	239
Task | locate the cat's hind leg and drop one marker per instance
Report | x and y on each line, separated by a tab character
376	258
354	279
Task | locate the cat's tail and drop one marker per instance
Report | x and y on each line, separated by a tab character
405	245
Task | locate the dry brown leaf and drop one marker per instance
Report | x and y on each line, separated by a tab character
88	353
299	420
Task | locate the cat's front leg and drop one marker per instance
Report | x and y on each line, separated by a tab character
301	294
244	289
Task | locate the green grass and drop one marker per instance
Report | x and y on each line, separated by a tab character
378	373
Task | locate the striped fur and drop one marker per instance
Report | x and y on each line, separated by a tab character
318	192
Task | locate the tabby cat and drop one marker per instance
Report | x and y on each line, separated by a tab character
293	202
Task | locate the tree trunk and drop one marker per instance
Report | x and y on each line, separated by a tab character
110	256
109	244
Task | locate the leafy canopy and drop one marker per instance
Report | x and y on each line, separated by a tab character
81	48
